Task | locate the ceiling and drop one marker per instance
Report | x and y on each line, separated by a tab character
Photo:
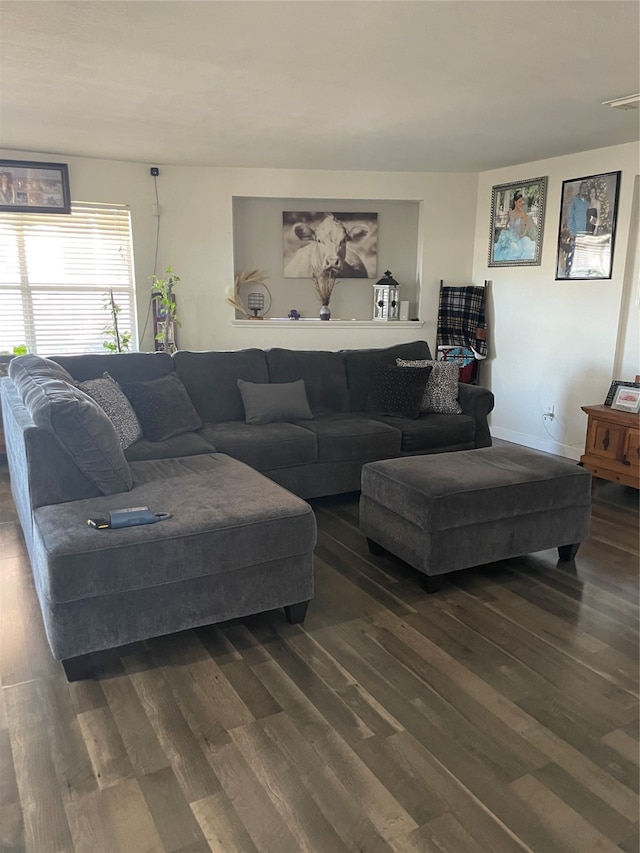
428	85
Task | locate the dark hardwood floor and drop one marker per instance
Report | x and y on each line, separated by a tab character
499	715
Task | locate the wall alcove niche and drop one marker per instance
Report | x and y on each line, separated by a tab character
258	244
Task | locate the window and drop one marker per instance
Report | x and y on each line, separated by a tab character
56	272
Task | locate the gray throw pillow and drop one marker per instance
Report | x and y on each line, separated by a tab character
396	391
441	393
272	402
163	407
77	422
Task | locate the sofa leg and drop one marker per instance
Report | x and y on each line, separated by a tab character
295	613
431	583
568	552
78	669
374	548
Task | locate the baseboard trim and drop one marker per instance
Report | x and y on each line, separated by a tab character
525	440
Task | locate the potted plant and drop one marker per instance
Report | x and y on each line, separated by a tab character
166	311
117	341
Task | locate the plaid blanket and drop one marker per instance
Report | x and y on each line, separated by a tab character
461	318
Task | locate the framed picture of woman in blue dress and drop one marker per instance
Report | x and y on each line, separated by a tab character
517	217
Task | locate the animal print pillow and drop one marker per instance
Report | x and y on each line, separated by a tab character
441	393
110	397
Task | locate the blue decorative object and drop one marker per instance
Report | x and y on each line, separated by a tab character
293	314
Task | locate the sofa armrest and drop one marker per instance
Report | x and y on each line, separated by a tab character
477	402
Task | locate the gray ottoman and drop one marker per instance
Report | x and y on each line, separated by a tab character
450	511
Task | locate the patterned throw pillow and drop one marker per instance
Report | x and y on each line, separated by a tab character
441	393
109	396
397	392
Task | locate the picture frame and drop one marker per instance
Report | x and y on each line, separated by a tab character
611	393
310	238
517	220
627	399
587	227
33	187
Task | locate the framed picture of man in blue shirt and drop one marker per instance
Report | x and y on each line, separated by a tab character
586	235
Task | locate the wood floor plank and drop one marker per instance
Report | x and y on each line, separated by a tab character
304	819
443	834
193	771
570	831
106	750
263	822
382	810
221	825
139	739
113	820
173	818
327	789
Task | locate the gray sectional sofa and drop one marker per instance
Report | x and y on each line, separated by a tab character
237	542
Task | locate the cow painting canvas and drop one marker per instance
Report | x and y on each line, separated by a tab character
345	243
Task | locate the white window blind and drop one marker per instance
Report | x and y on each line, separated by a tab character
56	272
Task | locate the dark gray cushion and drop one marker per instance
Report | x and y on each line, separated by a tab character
79	424
163	407
184	444
360	365
397	390
274	402
110	397
433	433
210	379
323	373
125	366
264	447
345	437
441	393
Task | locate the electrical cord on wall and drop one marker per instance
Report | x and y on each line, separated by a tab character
155	255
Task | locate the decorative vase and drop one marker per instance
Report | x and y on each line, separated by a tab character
325	313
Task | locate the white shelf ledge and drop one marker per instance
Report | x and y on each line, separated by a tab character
314	322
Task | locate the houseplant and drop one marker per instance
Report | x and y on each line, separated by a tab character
117	341
166	311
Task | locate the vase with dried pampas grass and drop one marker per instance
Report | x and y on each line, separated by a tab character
324	281
242	278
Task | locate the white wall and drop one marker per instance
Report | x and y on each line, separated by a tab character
196	239
553	342
258	243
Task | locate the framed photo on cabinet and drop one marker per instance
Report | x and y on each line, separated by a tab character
587	230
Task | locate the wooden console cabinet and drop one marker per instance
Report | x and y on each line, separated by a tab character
612	448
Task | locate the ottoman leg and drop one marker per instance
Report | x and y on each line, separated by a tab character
374	548
431	583
568	552
295	613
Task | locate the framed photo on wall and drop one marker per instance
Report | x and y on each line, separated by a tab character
587	230
517	217
33	187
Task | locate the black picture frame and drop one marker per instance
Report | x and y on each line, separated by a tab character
613	388
28	186
587	227
517	220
